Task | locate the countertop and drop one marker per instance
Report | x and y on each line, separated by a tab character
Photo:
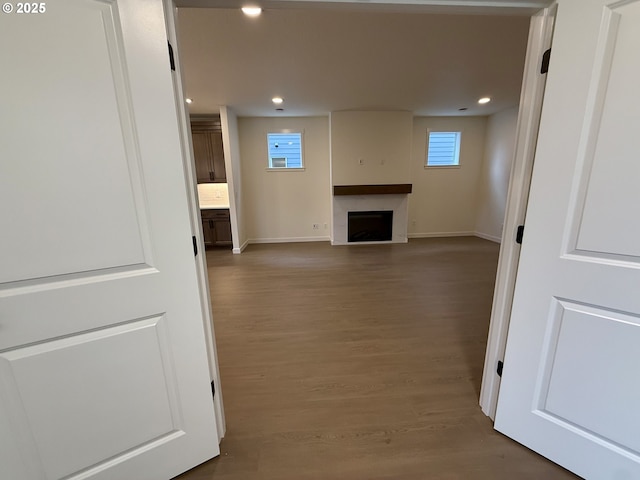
213	207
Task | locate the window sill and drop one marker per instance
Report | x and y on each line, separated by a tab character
438	167
285	169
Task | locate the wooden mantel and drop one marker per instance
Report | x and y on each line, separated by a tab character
389	189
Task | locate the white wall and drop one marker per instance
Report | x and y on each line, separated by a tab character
282	206
493	183
230	140
382	140
444	200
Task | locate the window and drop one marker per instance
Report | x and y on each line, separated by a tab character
443	149
285	150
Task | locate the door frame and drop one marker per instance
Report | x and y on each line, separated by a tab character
531	97
184	127
542	13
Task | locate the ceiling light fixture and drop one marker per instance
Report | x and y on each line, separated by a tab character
252	11
188	100
277	100
484	100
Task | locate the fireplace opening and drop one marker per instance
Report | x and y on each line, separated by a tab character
375	226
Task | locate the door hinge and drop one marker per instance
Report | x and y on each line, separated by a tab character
171	60
519	234
546	56
500	367
213	389
195	246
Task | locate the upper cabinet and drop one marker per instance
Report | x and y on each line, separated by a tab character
208	150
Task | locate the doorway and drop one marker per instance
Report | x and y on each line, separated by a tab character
505	225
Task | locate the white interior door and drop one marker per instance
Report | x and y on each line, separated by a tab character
571	386
103	365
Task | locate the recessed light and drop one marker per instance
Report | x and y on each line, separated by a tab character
188	100
252	11
277	100
484	100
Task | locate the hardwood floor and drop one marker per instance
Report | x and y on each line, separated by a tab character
358	362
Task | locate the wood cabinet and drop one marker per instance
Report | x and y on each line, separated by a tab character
216	227
208	150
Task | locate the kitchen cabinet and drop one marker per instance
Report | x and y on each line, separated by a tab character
208	150
216	227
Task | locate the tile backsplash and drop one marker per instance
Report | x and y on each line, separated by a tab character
213	195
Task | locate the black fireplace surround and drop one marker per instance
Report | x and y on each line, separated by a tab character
373	226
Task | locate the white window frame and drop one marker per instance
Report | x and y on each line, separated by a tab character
459	145
270	168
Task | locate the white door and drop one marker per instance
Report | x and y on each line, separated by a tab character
571	382
103	365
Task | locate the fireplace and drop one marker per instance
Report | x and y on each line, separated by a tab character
373	226
385	205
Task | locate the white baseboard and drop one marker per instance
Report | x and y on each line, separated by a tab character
328	239
488	237
389	242
441	234
288	240
237	251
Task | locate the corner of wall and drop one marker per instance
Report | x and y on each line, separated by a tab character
493	183
430	213
231	145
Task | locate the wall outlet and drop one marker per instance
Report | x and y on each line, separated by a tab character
316	226
413	223
326	226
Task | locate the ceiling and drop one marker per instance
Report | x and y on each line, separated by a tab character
329	59
494	7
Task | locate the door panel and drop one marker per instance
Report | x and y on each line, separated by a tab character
223	232
86	174
202	152
103	365
219	170
609	216
105	402
570	382
582	367
208	232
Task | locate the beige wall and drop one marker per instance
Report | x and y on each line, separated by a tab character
493	183
284	205
382	140
444	200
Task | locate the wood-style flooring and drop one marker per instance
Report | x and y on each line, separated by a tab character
358	362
